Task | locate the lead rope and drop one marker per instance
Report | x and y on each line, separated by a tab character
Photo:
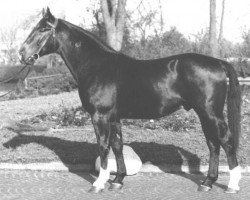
13	77
6	81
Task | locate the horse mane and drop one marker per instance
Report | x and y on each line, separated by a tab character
94	38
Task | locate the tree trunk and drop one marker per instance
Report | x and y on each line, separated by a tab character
213	43
222	21
113	12
161	20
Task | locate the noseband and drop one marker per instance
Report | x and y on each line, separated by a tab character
36	56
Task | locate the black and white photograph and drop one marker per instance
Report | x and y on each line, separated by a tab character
124	99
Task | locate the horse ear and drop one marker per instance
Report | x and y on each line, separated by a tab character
48	11
47	14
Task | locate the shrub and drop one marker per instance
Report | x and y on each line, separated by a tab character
178	121
65	116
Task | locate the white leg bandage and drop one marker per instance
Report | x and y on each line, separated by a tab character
102	178
235	176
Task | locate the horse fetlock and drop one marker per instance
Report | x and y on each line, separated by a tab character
209	181
235	176
102	178
207	184
119	177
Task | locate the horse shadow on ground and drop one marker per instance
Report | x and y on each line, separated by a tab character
174	158
73	152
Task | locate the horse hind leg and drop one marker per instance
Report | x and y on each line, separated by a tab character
211	130
227	143
217	134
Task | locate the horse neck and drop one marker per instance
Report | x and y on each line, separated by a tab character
78	59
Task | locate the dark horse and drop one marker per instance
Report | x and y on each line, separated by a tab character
113	86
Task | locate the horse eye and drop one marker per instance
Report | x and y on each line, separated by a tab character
41	30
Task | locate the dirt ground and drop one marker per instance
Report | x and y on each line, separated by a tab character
78	144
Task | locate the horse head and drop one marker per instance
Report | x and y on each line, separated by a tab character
41	41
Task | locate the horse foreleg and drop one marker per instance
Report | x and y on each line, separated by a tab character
102	131
117	147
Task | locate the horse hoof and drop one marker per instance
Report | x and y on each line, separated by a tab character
95	190
231	191
115	186
204	188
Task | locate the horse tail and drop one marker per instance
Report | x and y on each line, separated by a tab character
233	104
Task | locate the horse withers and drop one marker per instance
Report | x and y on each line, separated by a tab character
113	86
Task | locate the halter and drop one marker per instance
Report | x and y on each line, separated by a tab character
52	30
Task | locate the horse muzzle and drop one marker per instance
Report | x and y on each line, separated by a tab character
30	60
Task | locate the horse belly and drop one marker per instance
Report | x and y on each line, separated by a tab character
148	108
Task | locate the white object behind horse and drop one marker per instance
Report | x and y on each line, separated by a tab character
132	161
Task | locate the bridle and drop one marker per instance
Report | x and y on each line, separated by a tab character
52	31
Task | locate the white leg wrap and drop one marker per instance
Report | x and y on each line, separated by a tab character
102	178
235	176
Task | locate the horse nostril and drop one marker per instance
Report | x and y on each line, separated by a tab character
35	56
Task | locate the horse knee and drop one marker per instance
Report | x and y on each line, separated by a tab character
117	145
103	149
